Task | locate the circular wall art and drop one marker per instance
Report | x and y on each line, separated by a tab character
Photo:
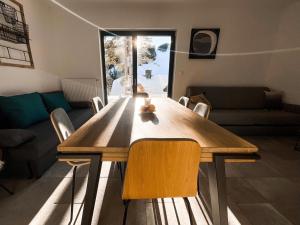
204	43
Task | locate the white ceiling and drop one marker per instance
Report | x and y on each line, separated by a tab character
204	3
181	1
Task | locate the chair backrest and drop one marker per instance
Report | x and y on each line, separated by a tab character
184	101
97	104
62	124
202	109
161	168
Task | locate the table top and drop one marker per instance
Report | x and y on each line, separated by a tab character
120	123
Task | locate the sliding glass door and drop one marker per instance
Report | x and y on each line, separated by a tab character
138	62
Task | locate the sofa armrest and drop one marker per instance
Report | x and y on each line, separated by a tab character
10	138
291	108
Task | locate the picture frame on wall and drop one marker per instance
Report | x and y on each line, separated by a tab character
14	36
204	43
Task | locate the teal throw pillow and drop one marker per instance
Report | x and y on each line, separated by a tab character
21	111
55	100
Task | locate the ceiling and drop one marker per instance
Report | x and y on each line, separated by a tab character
181	1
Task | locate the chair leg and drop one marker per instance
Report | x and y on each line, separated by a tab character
126	204
119	164
6	189
198	181
73	193
189	209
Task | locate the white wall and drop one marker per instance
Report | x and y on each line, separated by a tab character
68	47
15	80
284	69
245	27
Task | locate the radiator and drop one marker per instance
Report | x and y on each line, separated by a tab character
77	90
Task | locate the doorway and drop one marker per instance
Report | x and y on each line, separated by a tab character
137	62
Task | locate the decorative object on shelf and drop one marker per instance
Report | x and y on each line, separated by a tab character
204	43
147	107
14	36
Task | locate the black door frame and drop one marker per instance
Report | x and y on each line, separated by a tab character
134	34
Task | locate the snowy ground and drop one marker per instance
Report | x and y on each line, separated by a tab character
154	86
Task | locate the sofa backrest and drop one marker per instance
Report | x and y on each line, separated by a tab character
232	97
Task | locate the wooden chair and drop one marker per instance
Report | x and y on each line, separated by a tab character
184	101
64	128
161	168
202	109
97	104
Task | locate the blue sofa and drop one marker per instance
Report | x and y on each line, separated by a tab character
33	149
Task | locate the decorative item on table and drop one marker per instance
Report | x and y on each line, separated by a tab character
147	107
204	43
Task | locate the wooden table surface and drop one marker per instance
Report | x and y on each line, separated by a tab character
117	125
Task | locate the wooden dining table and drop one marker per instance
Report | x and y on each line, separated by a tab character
107	136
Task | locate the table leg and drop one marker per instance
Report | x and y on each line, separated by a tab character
217	188
91	190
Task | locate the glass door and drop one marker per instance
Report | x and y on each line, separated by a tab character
153	64
118	66
137	62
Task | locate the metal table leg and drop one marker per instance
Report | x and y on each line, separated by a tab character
217	187
91	190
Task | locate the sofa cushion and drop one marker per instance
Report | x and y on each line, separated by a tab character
46	139
232	97
21	111
254	117
273	100
10	138
3	121
55	100
80	116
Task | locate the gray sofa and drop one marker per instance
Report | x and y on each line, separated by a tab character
35	156
247	110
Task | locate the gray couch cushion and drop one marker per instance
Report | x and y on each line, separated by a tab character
273	100
80	116
10	138
232	97
254	117
46	139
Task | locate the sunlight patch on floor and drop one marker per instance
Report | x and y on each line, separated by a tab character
52	205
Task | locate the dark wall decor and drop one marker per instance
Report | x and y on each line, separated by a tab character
204	43
14	37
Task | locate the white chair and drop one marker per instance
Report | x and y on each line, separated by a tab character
202	109
184	101
97	104
161	168
64	128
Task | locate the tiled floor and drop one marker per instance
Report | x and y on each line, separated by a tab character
267	192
